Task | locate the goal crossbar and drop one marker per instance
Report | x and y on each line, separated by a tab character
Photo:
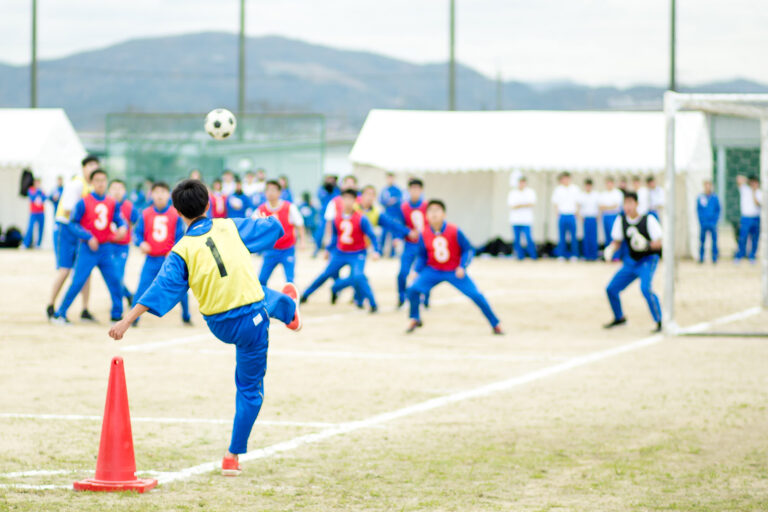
753	106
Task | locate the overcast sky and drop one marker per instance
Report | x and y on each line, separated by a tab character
614	42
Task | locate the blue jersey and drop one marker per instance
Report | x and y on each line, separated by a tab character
239	206
309	213
326	197
55	197
390	198
708	209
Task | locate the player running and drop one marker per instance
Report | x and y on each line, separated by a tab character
414	212
443	255
121	245
66	245
284	251
214	260
91	224
158	229
350	227
643	234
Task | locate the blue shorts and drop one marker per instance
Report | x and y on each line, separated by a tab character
66	251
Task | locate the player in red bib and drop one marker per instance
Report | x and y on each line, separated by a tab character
284	251
36	214
348	247
158	229
414	213
444	253
91	222
217	202
120	245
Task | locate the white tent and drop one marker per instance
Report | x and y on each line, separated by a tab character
42	140
467	158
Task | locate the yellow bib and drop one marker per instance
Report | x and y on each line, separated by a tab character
221	274
61	212
372	214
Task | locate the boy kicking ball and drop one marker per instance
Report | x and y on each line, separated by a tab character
213	259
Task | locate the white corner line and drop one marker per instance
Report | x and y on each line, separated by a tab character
703	326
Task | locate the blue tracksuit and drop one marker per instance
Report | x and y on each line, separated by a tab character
589	240
356	261
153	264
274	257
325	198
309	213
54	198
519	231
246	327
36	220
390	198
566	225
708	210
632	269
430	277
120	251
397	229
286	195
239	206
88	259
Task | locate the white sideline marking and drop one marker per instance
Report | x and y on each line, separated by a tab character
703	326
83	417
434	403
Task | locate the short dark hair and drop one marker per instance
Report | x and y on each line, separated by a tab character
274	183
217	180
588	181
88	159
117	181
97	171
754	178
415	182
630	195
190	198
436	202
650	179
160	184
349	192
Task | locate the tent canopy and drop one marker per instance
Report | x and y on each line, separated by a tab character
595	142
42	140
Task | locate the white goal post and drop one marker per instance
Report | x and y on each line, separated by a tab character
754	106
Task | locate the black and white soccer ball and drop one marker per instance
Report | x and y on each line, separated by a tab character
220	123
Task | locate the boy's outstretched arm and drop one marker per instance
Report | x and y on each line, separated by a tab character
260	234
118	330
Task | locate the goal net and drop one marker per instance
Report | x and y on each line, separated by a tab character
730	298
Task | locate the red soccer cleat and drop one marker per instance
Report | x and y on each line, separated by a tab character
230	466
290	290
498	330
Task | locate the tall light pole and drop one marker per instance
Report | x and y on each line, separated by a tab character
672	46
33	64
241	62
452	59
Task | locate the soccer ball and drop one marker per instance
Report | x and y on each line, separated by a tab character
220	123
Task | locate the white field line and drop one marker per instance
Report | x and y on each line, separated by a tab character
434	403
151	347
703	326
82	417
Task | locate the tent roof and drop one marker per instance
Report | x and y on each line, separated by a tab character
37	136
576	141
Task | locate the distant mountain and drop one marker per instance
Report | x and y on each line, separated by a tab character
196	72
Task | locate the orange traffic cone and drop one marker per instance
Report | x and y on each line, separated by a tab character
116	466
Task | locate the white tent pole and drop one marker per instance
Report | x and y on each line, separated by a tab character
764	207
668	306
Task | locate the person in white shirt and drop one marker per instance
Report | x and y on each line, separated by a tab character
611	200
643	235
751	199
249	184
642	195
655	198
261	181
565	198
228	184
589	209
521	201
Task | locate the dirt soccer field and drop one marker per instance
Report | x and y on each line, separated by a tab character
557	415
